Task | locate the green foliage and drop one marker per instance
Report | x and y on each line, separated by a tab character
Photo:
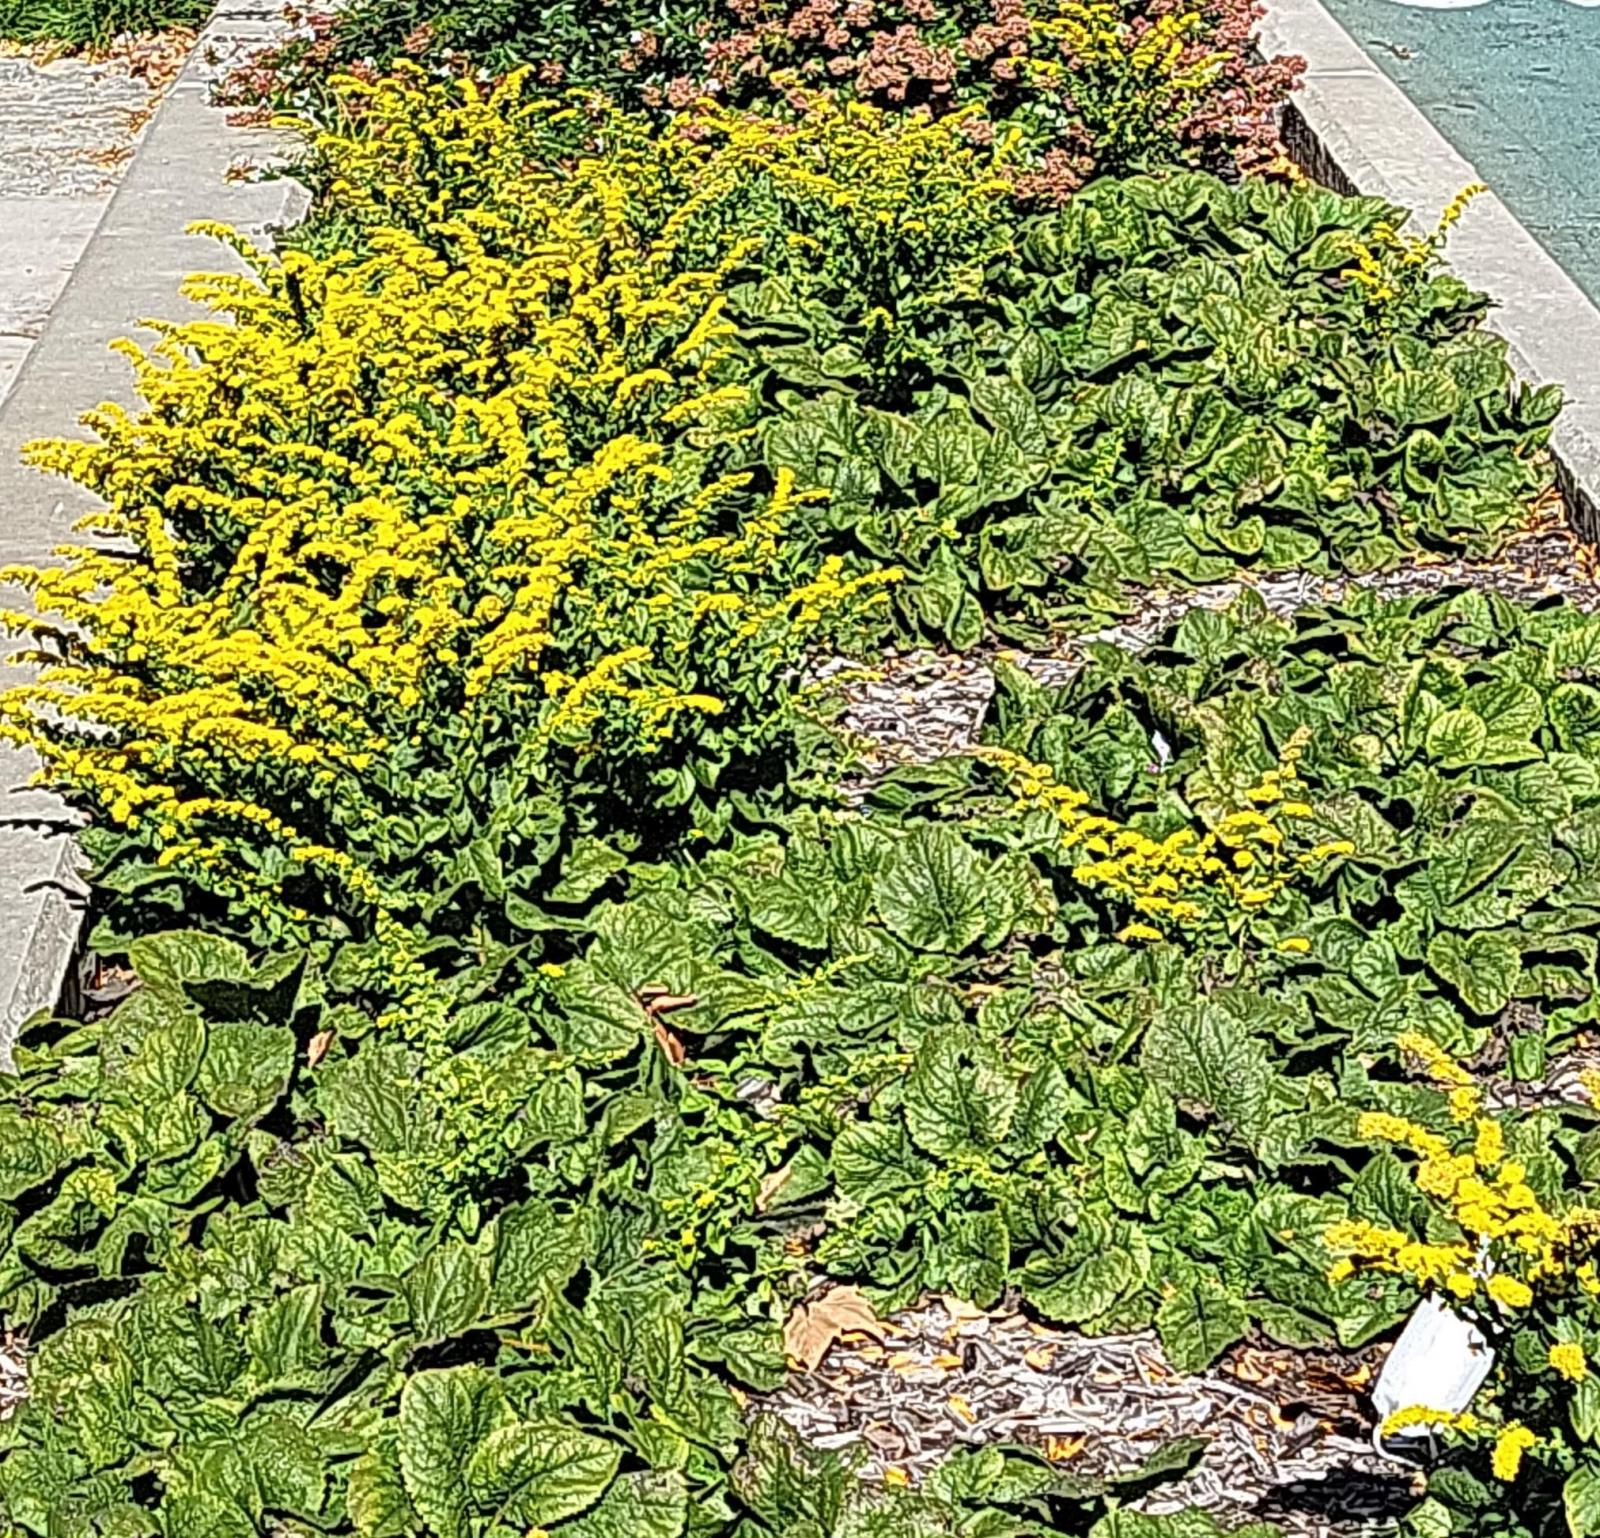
1471	884
239	1314
94	23
918	1031
469	1200
1167	380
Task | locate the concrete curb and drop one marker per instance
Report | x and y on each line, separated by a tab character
1354	129
129	271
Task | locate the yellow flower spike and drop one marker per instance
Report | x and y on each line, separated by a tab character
1436	1062
1189	875
1510	1446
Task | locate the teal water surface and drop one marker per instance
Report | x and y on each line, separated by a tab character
1515	86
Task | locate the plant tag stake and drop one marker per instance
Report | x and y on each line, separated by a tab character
1439	1363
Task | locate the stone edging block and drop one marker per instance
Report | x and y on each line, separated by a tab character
182	169
1354	129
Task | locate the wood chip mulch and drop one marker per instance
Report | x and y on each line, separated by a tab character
912	708
1287	1434
13	1373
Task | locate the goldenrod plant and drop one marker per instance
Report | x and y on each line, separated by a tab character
1517	1248
423	547
1206	883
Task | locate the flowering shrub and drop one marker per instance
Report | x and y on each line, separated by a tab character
1501	1225
1095	86
846	207
1166	380
1198	883
437	564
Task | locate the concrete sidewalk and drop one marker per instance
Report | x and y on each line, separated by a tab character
128	270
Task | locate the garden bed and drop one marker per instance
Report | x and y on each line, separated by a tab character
706	720
1271	1435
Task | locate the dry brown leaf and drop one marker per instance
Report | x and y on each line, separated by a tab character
1039	1358
670	1045
318	1048
815	1325
1059	1449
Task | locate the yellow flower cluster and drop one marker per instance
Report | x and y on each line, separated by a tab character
1240	866
462	478
1461	1089
1386	265
1512	1440
1568	1359
1484	1195
1123	78
1508	1249
1463	1421
892	183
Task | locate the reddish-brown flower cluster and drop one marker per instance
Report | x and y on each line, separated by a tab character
938	55
894	52
269	75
